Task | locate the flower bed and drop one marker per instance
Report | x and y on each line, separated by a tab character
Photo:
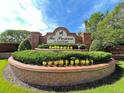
43	67
60	76
62	46
61	58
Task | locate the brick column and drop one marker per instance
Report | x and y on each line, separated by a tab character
35	38
86	38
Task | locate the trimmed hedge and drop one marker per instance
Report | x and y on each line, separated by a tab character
39	57
61	46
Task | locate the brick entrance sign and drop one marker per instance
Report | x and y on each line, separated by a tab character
60	35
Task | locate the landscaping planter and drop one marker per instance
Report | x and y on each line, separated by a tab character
60	76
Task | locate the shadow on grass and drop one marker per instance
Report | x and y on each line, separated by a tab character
107	80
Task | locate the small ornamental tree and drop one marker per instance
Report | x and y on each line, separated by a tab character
96	45
25	45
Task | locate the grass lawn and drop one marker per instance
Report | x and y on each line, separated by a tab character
116	87
7	87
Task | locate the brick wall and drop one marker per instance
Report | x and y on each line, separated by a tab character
86	38
8	47
5	55
118	52
37	38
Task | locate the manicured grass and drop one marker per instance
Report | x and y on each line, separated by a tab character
7	87
115	87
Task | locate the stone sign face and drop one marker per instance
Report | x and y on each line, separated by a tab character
61	36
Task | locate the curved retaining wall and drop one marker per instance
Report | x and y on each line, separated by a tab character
60	76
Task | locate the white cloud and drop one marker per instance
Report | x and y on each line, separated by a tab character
22	14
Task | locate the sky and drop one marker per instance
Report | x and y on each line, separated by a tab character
45	15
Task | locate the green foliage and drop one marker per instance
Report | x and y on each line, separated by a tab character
79	33
114	87
100	56
38	57
13	36
24	45
111	29
96	45
91	24
8	87
44	46
61	46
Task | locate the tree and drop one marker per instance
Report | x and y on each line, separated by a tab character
79	33
87	25
111	29
13	36
91	24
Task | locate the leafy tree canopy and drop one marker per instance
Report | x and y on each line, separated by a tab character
95	18
13	36
111	28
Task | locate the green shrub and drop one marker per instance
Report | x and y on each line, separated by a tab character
82	46
38	57
44	46
96	45
24	45
108	46
100	56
